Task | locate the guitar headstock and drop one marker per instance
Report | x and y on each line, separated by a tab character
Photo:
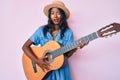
109	30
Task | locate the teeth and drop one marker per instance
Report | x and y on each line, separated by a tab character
56	20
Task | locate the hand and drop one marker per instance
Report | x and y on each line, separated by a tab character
81	45
42	64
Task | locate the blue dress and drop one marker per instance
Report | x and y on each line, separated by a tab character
38	37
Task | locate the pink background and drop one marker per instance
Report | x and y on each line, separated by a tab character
100	60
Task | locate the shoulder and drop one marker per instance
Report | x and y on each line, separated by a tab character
68	34
68	31
38	31
40	28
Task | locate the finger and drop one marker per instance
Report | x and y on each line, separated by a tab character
43	69
87	43
81	45
78	47
74	50
46	64
46	67
44	57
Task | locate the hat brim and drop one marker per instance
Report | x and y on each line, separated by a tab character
46	9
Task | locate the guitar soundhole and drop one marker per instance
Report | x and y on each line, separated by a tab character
49	57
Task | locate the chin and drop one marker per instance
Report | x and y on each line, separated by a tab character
56	23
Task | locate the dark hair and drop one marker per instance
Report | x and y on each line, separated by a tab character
63	25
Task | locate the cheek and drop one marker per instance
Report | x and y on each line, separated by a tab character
59	16
52	16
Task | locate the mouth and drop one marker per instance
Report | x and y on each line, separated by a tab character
56	20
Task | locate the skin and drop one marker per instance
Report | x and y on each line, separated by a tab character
55	16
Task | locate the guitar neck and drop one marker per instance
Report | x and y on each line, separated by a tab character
74	44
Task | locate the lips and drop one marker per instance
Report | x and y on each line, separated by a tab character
56	20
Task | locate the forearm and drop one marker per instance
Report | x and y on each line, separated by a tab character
27	50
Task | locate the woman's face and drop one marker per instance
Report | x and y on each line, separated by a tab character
55	16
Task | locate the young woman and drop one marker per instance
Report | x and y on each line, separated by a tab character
58	30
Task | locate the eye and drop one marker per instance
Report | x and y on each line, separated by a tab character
52	13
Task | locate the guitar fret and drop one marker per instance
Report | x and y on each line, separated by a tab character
69	47
53	54
75	44
92	36
62	50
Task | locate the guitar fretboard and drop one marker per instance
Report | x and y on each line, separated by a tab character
74	45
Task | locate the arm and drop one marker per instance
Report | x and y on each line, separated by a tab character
70	53
26	48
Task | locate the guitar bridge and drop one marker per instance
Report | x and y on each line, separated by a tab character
34	67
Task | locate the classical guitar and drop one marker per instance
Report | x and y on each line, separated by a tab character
55	52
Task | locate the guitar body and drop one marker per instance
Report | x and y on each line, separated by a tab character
39	52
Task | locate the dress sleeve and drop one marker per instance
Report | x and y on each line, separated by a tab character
35	38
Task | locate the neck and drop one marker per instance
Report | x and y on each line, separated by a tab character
56	27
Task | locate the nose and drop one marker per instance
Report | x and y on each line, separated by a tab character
55	15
